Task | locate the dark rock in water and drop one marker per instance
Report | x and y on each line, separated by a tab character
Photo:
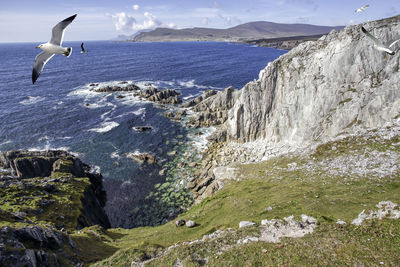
94	84
116	88
123	82
142	128
143	158
120	96
160	96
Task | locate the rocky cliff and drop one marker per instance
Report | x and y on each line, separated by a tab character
44	197
321	90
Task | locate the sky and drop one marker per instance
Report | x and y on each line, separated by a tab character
31	21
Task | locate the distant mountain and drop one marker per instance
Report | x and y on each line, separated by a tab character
122	37
242	32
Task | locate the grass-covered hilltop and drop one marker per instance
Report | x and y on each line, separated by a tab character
303	169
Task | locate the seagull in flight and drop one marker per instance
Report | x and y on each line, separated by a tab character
378	44
361	9
83	49
52	47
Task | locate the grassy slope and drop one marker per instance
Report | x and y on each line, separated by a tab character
312	191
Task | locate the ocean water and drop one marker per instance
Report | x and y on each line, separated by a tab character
59	111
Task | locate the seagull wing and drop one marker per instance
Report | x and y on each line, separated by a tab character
57	33
376	41
392	44
40	60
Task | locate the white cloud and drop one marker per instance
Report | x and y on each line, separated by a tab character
172	26
123	22
229	20
135	7
127	23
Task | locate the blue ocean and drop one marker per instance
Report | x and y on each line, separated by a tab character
60	112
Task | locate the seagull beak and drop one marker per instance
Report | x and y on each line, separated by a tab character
37	47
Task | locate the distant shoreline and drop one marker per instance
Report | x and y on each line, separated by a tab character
285	43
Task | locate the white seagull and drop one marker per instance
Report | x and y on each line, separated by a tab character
52	47
361	9
378	44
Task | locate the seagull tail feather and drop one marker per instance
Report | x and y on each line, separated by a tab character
68	52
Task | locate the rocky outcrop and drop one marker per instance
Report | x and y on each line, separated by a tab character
39	170
167	96
121	87
32	246
28	164
199	99
321	89
176	115
211	109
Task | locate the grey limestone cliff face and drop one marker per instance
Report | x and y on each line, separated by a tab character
319	90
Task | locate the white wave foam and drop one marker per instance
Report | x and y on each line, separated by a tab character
95	169
141	111
115	155
6	142
44	138
105	127
48	147
65	138
200	142
32	100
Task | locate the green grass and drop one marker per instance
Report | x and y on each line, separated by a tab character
63	209
289	192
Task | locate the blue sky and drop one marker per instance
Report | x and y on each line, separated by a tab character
31	21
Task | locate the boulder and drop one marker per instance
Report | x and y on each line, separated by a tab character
190	224
180	222
246	224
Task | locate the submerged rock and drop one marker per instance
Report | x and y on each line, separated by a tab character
143	157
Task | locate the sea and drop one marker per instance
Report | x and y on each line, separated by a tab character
60	111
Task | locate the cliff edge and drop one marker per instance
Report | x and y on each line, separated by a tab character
320	90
